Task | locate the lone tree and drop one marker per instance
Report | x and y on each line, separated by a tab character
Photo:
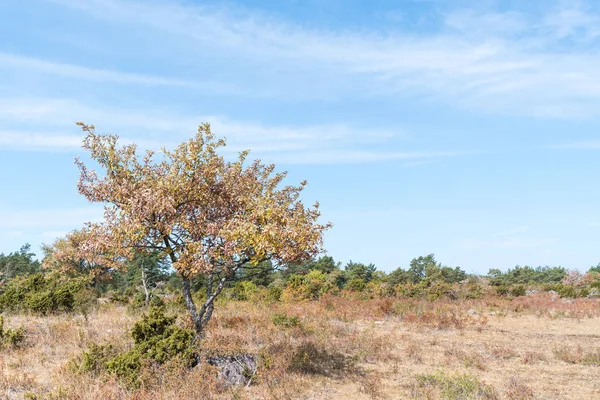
209	216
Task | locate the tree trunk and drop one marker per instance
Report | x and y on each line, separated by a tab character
189	303
201	317
145	285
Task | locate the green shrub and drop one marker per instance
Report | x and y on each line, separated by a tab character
93	360
127	367
118	297
243	290
437	290
568	291
42	303
356	285
11	337
308	287
283	320
157	339
44	294
526	275
274	293
518	290
457	386
502	290
409	289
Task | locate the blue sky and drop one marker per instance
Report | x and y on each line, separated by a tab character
468	129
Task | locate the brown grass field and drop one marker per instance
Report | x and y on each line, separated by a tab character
531	347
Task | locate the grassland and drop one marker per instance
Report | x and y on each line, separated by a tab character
530	347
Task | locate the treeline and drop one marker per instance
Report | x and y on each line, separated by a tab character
26	286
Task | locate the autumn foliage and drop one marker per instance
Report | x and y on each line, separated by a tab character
208	215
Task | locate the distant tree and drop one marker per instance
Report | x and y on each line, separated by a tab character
451	275
426	268
595	269
527	275
325	264
420	266
148	270
18	263
261	274
494	272
211	217
399	275
66	255
360	271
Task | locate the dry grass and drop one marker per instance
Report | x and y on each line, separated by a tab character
338	348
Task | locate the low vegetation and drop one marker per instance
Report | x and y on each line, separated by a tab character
203	282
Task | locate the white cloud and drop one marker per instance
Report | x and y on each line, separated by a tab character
54	219
593	144
536	75
74	71
71	71
19	140
573	19
316	144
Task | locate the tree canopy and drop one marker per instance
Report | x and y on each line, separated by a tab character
209	216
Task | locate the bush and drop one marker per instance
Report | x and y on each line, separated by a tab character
437	290
11	337
243	291
93	360
308	287
458	386
355	285
502	290
568	291
274	293
282	320
518	290
45	294
157	340
527	275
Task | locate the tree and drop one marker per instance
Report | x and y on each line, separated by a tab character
65	255
360	271
261	274
208	215
419	267
148	269
18	263
325	264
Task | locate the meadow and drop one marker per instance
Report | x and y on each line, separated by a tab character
348	345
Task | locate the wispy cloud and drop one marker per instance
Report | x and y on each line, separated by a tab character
19	140
41	219
71	71
75	71
545	73
313	144
591	144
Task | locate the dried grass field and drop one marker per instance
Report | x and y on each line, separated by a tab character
530	347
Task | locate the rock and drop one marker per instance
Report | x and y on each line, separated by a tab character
472	312
237	369
594	294
379	322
